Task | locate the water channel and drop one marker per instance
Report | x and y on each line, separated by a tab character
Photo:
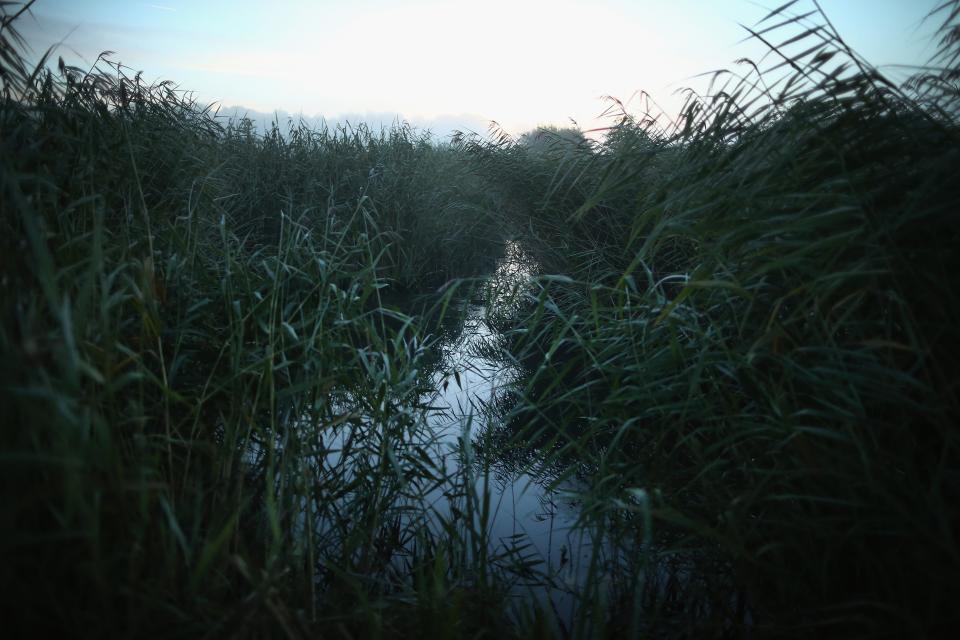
531	514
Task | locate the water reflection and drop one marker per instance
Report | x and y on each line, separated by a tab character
531	511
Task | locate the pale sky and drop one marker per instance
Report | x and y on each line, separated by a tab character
446	64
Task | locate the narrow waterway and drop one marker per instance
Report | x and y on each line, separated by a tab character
532	514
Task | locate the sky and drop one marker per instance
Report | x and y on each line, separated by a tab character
451	64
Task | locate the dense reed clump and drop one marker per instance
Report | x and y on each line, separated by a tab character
736	343
211	416
754	327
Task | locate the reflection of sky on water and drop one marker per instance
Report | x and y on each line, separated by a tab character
524	512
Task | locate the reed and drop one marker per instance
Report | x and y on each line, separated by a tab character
752	334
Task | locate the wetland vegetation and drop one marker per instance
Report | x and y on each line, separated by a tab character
695	378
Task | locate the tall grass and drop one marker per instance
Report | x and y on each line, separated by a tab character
753	328
211	415
739	345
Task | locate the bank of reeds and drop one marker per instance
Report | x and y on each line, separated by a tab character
753	336
210	414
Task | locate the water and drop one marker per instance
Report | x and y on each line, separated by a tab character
531	512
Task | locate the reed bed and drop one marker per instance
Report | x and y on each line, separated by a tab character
750	347
738	340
